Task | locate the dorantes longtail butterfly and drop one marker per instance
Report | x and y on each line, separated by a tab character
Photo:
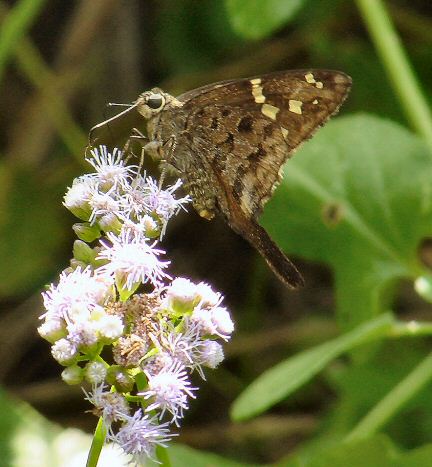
229	141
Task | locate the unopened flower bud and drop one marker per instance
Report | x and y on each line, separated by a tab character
181	295
95	372
64	352
52	330
72	375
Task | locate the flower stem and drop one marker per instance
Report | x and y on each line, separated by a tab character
393	401
97	444
396	63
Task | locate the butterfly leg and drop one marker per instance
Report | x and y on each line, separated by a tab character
136	136
162	152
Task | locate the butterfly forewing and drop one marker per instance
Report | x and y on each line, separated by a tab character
248	128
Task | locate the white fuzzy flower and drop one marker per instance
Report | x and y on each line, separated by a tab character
82	334
64	351
144	196
132	260
183	348
207	296
180	295
162	201
169	391
140	435
109	326
213	322
77	196
202	319
103	205
76	292
111	169
52	329
95	372
146	226
222	320
211	353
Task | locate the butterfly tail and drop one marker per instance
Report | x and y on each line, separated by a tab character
275	258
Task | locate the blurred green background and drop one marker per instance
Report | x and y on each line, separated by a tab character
62	62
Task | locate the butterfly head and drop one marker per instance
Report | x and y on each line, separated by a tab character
152	102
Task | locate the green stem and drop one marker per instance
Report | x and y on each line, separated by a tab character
97	444
393	401
395	61
16	23
411	329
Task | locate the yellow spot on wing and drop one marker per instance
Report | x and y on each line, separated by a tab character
257	91
295	106
310	78
284	132
315	101
206	214
269	111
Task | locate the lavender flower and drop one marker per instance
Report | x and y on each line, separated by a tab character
111	170
169	390
140	435
167	332
131	260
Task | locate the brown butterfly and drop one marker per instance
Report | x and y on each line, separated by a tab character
228	141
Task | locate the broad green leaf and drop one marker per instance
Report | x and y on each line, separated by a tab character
358	197
255	19
374	452
378	451
420	457
283	379
184	456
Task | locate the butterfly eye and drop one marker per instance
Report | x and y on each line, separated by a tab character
155	101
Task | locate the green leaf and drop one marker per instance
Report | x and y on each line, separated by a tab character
184	456
358	197
255	19
374	452
378	451
283	379
420	457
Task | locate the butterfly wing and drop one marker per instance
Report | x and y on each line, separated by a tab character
246	129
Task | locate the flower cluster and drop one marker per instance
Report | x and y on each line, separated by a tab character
117	293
